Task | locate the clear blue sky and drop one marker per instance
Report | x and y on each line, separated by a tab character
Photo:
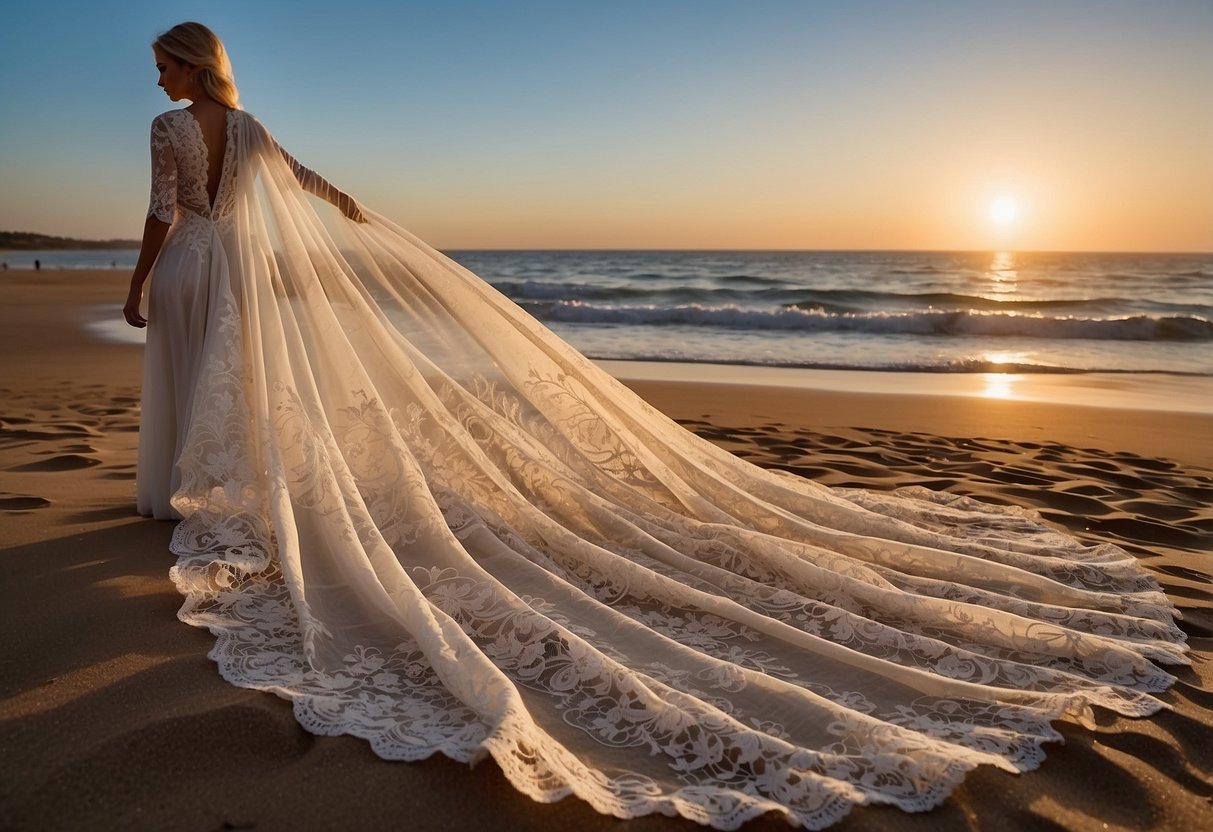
656	124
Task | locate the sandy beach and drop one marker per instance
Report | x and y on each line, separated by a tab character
112	717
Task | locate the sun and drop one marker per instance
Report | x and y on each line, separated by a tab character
1004	210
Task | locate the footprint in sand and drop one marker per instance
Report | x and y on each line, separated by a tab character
62	462
839	442
1183	572
1136	528
874	471
22	503
1203	494
1014	475
78	448
1089	489
1075	504
1158	511
102	411
61	430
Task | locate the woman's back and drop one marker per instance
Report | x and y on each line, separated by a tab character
212	124
190	156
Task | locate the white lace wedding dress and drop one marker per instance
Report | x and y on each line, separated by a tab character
427	521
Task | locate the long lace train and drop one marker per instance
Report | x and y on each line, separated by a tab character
425	520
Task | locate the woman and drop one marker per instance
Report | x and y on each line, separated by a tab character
192	64
427	521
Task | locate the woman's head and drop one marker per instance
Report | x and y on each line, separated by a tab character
193	62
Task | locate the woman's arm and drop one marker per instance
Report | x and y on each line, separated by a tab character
316	184
154	232
160	210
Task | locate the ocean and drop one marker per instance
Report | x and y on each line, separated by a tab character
893	311
939	312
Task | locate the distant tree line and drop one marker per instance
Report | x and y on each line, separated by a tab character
28	241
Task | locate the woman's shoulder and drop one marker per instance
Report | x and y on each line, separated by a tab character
246	116
178	113
170	116
181	121
162	121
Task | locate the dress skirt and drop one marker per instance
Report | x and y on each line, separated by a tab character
182	288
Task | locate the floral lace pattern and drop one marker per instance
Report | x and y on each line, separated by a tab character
427	522
179	167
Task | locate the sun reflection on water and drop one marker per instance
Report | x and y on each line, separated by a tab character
1003	274
1000	385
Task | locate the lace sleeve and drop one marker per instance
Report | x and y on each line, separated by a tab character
316	184
164	174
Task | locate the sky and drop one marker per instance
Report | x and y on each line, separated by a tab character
1067	125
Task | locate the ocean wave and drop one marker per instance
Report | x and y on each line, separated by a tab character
1194	276
962	365
855	300
527	290
839	301
752	279
925	269
540	290
941	323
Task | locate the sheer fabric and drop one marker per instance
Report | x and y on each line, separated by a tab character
425	520
180	299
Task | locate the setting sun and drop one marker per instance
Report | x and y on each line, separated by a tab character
1004	210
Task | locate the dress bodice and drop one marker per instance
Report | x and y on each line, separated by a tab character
180	167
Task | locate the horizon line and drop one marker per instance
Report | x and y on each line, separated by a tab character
822	250
858	250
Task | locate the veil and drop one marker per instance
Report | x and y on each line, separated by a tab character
425	520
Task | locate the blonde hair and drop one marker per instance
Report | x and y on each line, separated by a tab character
196	45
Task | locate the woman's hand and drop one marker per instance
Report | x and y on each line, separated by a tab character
154	232
131	310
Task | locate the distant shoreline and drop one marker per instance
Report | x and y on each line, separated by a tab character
29	241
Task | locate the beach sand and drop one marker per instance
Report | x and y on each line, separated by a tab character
112	717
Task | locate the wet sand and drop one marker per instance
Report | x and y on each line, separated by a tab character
112	717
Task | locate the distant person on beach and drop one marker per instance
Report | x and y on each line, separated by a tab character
419	514
37	265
